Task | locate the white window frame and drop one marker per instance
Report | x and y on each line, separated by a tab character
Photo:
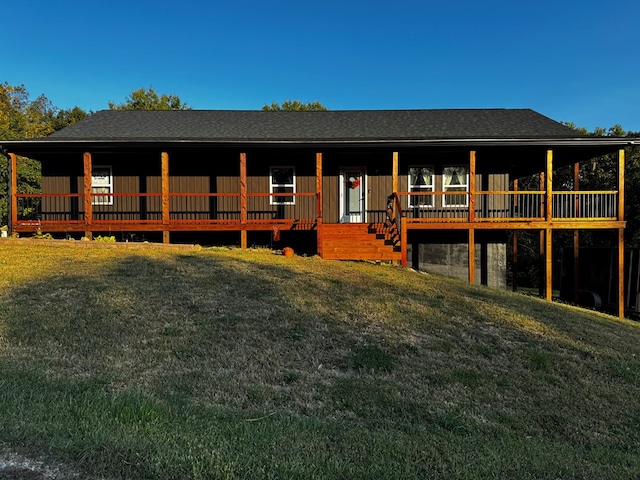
274	186
102	182
449	188
418	188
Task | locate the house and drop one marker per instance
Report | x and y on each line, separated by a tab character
403	186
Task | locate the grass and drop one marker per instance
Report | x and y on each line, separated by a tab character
167	363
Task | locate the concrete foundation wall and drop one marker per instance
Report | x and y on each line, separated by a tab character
451	260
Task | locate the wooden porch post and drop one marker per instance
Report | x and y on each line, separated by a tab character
165	197
394	173
13	192
319	200
621	233
548	271
243	200
88	199
541	262
576	236
403	246
472	256
549	188
472	186
514	270
548	248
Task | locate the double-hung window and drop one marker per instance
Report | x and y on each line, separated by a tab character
421	180
282	180
455	179
101	185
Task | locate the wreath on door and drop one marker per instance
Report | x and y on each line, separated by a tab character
353	182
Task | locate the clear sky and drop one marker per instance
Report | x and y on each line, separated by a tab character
574	61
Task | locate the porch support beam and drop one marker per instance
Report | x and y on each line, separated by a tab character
514	270
472	256
13	192
541	265
621	233
576	237
165	197
243	200
548	270
319	203
472	186
620	307
394	172
88	199
621	185
549	186
403	246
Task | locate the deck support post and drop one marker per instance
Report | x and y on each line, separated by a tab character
541	264
12	193
472	217
514	269
620	308
548	270
165	197
576	237
403	246
548	250
472	256
87	191
319	203
243	200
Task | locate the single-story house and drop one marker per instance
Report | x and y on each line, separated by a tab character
433	188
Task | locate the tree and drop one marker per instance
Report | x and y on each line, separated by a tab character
22	118
148	99
295	106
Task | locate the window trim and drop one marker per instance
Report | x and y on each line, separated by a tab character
273	200
465	185
427	188
96	198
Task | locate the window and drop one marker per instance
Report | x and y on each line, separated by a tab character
455	179
282	180
421	180
101	184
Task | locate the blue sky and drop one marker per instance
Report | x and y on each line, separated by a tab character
576	61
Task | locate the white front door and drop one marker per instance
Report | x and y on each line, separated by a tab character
352	195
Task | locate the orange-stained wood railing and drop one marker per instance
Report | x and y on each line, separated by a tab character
509	205
184	209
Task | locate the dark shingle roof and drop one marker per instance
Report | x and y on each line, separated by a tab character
330	126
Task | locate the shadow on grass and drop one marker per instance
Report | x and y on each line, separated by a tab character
346	346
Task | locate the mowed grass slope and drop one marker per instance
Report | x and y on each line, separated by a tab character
167	363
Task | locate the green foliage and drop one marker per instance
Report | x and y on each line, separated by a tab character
295	106
105	239
42	236
23	118
148	99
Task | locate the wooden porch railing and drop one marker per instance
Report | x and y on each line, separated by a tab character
509	205
131	209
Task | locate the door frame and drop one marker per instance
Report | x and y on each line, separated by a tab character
344	218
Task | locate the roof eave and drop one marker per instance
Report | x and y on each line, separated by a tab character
41	145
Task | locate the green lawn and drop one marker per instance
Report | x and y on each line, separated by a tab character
167	363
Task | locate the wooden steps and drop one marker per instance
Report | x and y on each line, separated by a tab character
359	241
